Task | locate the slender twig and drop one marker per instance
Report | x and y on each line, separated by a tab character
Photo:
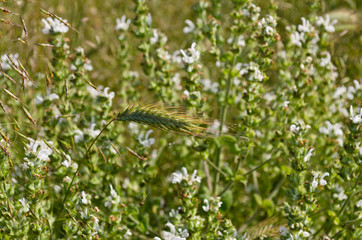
84	157
222	120
329	228
345	203
257	167
217	168
207	174
231	182
275	191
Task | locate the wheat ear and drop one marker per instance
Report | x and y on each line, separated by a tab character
153	115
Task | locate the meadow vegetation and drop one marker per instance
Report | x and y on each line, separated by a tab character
175	120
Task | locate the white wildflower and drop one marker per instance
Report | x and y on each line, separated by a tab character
85	214
25	205
191	55
240	41
54	26
53	96
50	97
57	188
163	54
38	99
67	179
178	176
359	203
128	234
357	85
110	95
210	86
319	181
187	93
122	24
133	74
333	130
206	207
190	26
339	92
176	79
341	195
172	234
258	75
84	198
327	23
146	142
177	58
214	204
243	68
294	128
113	192
269	96
219	64
92	91
297	38
6	60
322	181
269	30
113	198
91	131
149	19
67	163
215	128
183	232
88	65
326	60
133	127
271	20
309	154
305	26
356	119
43	152
286	104
350	92
78	136
95	225
305	234
283	231
155	37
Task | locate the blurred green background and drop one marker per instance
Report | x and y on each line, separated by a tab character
95	21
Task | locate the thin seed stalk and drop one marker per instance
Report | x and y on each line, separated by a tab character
222	120
84	156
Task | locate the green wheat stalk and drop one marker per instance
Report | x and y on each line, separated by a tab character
164	119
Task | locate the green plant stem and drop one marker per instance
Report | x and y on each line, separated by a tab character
83	159
257	167
217	168
277	188
231	182
222	120
345	203
329	228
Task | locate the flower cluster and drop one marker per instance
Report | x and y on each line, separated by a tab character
54	26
